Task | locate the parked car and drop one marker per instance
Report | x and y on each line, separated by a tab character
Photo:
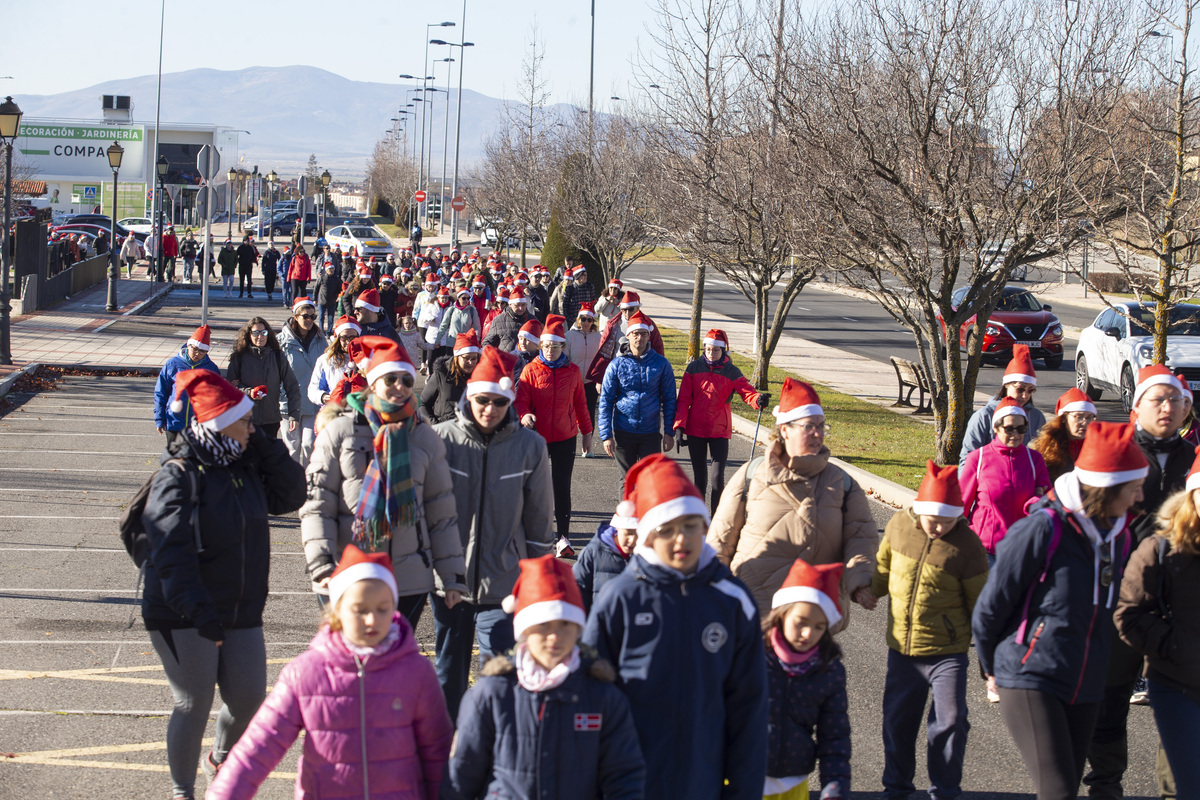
140	225
101	221
94	230
1120	342
366	239
283	223
1017	319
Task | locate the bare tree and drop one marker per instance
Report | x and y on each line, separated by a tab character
392	174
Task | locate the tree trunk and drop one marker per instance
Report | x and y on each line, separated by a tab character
762	356
522	251
694	348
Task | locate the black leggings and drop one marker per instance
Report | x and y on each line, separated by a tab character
562	464
699	448
1052	737
591	393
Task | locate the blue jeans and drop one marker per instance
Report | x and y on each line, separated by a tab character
1178	719
327	315
456	630
906	690
287	293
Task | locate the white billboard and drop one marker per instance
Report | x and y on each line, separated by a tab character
80	151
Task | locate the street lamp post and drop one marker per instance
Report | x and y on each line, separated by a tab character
425	66
230	177
272	183
325	179
445	149
462	32
115	153
254	195
163	167
10	126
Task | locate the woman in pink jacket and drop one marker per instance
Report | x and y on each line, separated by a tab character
370	704
300	272
999	479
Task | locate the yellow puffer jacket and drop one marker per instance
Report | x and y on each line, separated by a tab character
934	584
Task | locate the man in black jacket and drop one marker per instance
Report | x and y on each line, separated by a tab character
505	327
270	263
247	257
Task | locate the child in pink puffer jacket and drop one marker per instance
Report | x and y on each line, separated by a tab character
362	692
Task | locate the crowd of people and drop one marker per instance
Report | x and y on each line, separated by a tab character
429	434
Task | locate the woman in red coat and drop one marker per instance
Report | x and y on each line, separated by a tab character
704	414
550	400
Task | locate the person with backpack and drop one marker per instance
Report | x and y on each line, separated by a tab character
1043	623
207	536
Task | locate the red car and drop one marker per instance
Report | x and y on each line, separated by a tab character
1017	319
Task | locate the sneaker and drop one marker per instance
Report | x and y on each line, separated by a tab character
1140	696
563	549
210	767
992	695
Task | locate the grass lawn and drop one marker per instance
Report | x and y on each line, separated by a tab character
387	227
887	444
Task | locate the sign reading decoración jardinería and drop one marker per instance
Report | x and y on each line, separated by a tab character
80	150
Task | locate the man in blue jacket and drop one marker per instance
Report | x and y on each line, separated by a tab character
637	399
193	355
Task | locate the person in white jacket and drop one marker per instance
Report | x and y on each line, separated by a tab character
130	251
583	342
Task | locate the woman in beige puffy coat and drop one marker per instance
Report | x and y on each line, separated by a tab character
426	555
796	505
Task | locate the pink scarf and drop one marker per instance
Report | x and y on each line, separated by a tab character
533	677
793	663
388	642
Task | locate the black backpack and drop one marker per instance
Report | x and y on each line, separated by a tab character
133	533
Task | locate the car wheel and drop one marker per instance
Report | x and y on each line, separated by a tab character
1127	388
278	231
1054	362
1082	381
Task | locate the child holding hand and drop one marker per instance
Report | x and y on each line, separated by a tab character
370	704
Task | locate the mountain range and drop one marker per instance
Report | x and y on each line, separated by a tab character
290	112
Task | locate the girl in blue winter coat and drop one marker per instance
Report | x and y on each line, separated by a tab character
546	720
807	717
607	554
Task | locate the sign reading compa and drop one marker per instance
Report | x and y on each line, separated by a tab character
72	151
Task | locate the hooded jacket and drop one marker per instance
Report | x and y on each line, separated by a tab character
387	706
704	398
164	390
325	291
610	345
997	482
637	395
426	555
554	395
598	564
223	583
303	360
979	428
262	366
504	501
801	507
457	320
575	741
1069	629
300	267
689	656
439	398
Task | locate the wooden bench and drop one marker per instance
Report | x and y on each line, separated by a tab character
911	377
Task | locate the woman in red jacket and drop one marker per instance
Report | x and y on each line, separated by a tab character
704	414
300	272
550	400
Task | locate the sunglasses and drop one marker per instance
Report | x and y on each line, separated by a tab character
258	333
306	316
1014	428
402	378
484	402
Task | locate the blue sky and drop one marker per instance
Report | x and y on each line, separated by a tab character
64	45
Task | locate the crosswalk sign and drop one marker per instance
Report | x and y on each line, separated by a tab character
89	193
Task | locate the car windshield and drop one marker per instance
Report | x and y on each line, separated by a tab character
365	233
1185	321
1018	301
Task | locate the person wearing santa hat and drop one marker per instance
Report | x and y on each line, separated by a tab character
608	552
460	317
368	310
506	326
363	666
193	354
1061	438
538	293
677	617
934	567
1000	478
1019	383
807	703
299	272
378	477
431	319
562	280
425	298
637	399
576	293
303	344
704	411
335	362
448	378
1043	624
206	573
529	344
792	503
258	367
550	400
615	336
583	342
324	294
584	748
505	506
608	305
354	283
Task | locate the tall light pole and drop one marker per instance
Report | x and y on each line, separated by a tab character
462	32
445	149
163	167
10	126
115	154
425	67
230	177
592	77
429	154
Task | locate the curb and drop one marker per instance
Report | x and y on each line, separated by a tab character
140	307
7	384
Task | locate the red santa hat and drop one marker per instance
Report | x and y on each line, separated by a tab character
202	338
430	282
502	295
638	322
1110	456
517	295
717	338
630	300
358	355
1193	478
939	495
616	283
797	400
818	585
355	566
522	279
383	357
545	591
347	385
466	343
493	374
385	278
661	493
1073	400
216	402
531	331
478	281
1185	387
554	331
1008	407
369	300
462	292
345	323
626	514
587	310
1020	368
301	302
444	294
1154	375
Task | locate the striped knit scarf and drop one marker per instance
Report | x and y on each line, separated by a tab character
388	500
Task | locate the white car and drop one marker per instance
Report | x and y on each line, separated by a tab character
366	239
137	224
1119	343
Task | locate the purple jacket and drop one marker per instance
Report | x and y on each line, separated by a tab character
997	483
395	700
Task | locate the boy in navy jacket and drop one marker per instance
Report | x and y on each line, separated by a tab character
685	637
607	554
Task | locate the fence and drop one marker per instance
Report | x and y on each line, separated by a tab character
38	292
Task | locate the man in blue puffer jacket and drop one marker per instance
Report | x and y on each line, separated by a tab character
193	355
637	399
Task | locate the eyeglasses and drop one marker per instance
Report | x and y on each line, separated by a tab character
484	402
256	334
306	316
552	345
403	378
813	428
1013	428
1171	400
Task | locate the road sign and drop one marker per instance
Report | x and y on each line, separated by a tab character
458	203
204	203
419	196
303	185
208	162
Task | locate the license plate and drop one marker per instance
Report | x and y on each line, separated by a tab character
1194	384
1031	344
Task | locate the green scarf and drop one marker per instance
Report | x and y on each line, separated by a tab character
388	499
